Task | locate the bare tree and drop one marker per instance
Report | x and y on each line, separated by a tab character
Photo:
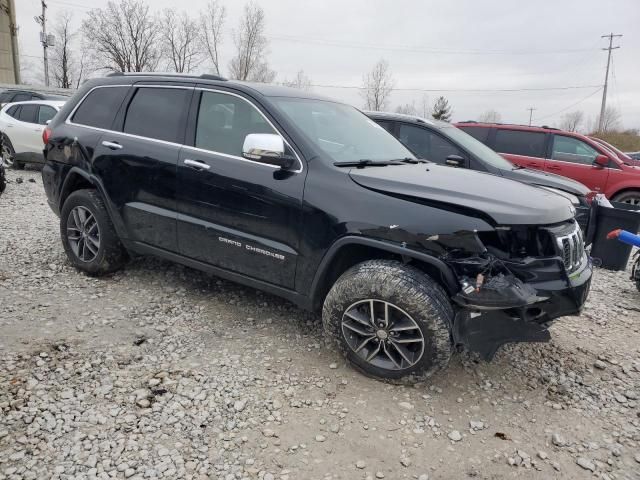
407	109
377	86
211	22
178	33
123	36
252	45
62	62
571	121
611	121
490	116
441	109
300	81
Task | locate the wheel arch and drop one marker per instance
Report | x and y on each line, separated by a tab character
625	190
78	179
349	251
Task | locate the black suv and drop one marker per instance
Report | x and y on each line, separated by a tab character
309	199
446	144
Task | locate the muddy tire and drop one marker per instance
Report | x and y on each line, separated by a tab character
88	236
408	335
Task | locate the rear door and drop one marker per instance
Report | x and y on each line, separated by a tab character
524	148
137	161
573	158
25	130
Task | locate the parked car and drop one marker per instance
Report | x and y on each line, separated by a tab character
634	155
566	153
15	95
309	199
21	127
443	143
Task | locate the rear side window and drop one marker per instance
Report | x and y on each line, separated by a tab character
518	142
28	113
99	108
478	133
45	114
22	97
157	113
13	111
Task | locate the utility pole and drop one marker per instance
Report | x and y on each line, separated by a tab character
603	107
44	39
531	109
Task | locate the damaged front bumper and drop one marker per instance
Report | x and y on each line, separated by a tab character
539	291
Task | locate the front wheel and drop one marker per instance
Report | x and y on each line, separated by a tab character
390	320
88	236
631	197
8	154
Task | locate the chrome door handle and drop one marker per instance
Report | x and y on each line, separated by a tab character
112	145
196	164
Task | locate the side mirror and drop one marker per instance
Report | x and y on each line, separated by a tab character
455	161
601	161
267	148
47	122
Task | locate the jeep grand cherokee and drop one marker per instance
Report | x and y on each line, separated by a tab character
309	199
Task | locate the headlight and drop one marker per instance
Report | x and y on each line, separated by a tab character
569	196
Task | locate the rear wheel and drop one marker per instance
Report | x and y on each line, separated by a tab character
390	320
8	155
631	197
88	236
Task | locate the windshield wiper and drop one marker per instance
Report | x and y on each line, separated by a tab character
365	162
412	160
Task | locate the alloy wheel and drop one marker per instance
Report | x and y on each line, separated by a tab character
7	156
632	201
83	233
382	334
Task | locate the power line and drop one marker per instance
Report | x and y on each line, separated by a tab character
71	4
570	106
411	48
427	90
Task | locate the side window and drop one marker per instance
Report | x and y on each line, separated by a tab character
479	133
46	113
5	97
427	144
28	113
224	121
570	149
157	113
99	108
21	97
14	111
388	126
519	142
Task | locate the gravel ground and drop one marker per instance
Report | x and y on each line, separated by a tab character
160	371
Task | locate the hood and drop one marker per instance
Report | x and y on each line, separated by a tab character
505	201
536	177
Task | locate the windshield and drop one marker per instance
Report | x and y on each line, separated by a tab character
343	133
618	153
477	148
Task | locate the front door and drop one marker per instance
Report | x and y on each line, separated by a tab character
234	213
573	158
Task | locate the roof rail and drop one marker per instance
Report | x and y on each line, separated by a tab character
204	76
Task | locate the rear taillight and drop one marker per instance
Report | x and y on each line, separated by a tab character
46	135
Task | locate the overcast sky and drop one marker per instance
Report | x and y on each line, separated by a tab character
443	47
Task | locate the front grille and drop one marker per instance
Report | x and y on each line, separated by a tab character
571	248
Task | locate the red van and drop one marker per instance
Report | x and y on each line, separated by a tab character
565	153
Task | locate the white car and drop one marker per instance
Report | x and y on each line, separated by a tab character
21	126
